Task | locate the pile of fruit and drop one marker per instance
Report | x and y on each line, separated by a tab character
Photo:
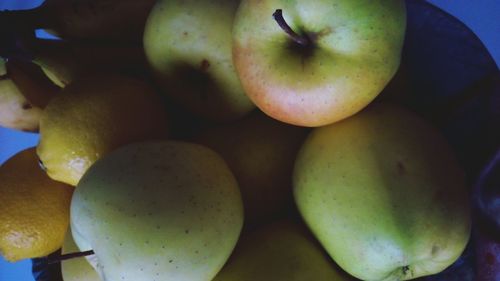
229	141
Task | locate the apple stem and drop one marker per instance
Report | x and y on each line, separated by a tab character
41	165
68	256
299	39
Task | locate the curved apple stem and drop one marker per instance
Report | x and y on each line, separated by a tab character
70	256
405	270
41	165
299	39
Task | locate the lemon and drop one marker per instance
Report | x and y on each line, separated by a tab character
93	116
34	213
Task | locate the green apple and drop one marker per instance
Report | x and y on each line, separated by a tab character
188	46
260	151
317	62
282	251
158	210
384	194
76	269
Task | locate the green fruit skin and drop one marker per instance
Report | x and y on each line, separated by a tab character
383	193
260	151
77	269
188	46
159	210
282	251
356	51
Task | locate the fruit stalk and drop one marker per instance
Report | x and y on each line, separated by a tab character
68	256
302	40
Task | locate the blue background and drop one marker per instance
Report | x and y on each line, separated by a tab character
482	16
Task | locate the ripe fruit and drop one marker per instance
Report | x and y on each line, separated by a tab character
161	210
260	151
282	251
188	45
77	269
383	193
93	116
34	213
341	56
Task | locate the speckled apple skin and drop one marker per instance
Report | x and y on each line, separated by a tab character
356	50
156	211
188	47
281	251
384	194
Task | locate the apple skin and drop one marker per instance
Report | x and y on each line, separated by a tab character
356	51
281	251
260	151
77	269
383	193
158	210
188	46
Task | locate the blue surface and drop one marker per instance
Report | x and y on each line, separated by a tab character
479	15
11	142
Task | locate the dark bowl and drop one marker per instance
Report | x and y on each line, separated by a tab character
447	76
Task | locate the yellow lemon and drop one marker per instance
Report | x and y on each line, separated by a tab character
93	116
34	213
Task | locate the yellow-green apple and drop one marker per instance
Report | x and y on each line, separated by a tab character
312	63
260	151
158	210
188	46
76	269
384	194
282	251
